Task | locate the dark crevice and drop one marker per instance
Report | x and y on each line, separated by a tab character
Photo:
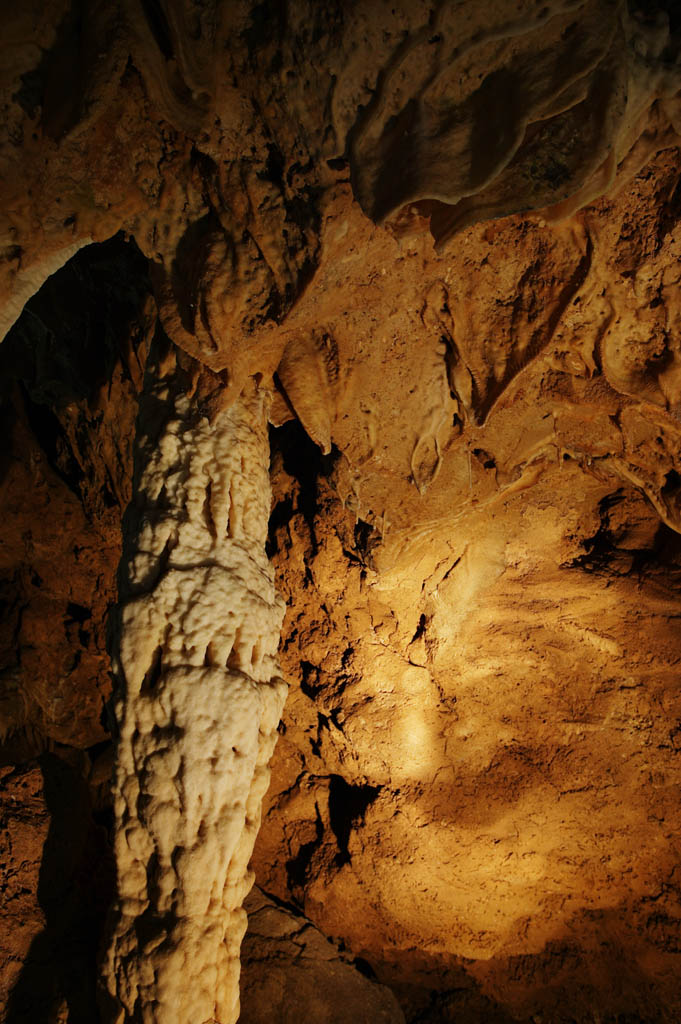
281	516
599	549
485	458
297	867
367	537
309	682
365	968
322	723
304	462
606	553
54	442
78	612
672	484
158	23
420	629
153	674
275	166
208	510
97	749
267	25
347	807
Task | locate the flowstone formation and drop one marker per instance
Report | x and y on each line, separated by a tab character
199	703
435	247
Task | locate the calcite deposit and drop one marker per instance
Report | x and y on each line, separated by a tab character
200	701
375	307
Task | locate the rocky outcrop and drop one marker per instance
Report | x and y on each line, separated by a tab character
475	786
291	972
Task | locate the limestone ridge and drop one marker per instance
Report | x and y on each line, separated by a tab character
198	708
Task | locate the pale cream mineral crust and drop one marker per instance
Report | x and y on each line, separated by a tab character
198	711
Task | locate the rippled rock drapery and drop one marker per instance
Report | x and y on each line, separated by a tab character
199	704
572	95
232	122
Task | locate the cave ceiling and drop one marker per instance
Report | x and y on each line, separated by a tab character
445	241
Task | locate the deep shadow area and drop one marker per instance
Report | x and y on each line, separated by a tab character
303	460
347	806
71	369
74	890
66	344
562	983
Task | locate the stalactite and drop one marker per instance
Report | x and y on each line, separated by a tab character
198	707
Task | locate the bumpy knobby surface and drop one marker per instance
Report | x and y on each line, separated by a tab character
199	707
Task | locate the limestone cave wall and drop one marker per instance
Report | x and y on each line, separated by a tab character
442	245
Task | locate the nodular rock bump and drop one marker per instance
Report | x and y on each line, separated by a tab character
198	707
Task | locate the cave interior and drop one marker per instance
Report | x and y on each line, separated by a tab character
340	561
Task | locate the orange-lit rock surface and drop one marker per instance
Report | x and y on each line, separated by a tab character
478	777
447	239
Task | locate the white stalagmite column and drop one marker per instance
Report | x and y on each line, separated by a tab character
198	710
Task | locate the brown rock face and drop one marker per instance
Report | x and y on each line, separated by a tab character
56	879
475	783
72	368
289	969
446	240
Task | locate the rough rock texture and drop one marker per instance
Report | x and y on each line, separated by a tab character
477	785
214	132
292	973
476	790
454	374
445	237
56	875
199	703
71	373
